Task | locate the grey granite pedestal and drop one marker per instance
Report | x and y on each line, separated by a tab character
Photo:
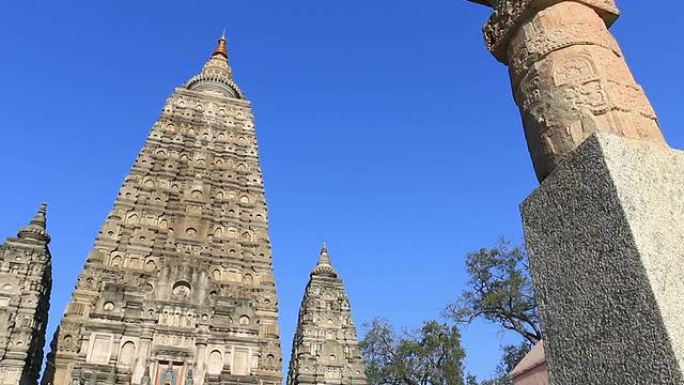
605	233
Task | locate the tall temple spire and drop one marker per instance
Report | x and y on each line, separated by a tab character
216	76
325	349
179	287
36	229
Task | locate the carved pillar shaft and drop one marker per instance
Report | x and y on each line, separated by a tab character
569	76
142	361
200	362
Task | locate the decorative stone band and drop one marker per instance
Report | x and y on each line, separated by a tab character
216	83
543	35
509	15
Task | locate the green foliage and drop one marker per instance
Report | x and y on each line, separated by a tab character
512	355
500	291
472	380
431	355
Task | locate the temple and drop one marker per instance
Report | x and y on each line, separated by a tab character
25	284
325	349
179	287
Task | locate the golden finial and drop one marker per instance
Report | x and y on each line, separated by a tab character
221	48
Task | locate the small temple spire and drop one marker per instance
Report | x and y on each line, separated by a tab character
37	228
324	258
329	328
27	282
324	265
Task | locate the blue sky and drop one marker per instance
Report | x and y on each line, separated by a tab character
385	129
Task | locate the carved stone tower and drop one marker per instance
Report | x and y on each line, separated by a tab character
25	283
325	348
179	288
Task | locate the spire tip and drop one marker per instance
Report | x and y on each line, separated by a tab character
36	229
324	265
221	47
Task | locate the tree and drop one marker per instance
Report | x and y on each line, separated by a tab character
512	355
500	291
432	355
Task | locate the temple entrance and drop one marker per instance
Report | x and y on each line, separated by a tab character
170	373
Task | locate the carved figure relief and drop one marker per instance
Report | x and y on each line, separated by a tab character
247	279
150	266
116	261
181	289
217	274
573	71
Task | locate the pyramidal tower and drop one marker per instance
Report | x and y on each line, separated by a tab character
325	348
25	283
179	288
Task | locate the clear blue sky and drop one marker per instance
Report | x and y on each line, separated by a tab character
385	129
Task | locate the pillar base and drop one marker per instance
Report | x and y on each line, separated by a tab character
605	234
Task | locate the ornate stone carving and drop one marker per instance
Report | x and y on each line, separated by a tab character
569	76
77	376
509	15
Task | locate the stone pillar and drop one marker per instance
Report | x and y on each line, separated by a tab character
605	229
568	74
200	360
142	362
